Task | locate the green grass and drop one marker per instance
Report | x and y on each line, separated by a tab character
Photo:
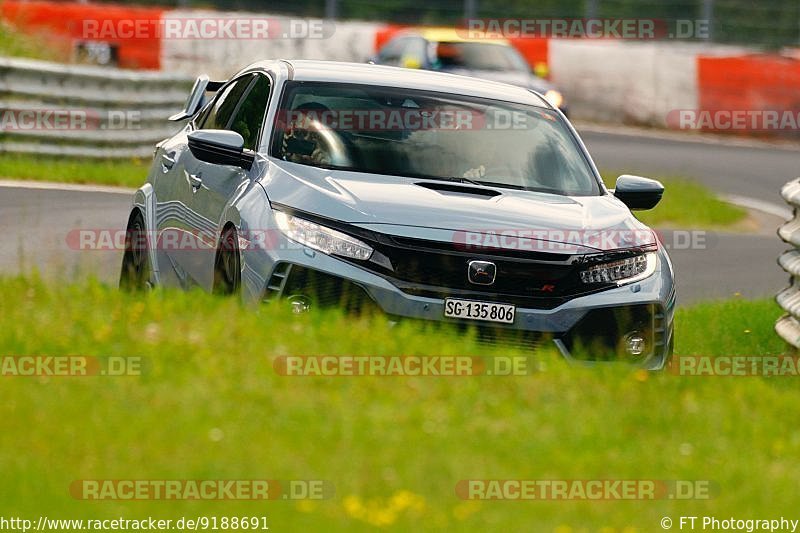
735	326
16	44
210	406
688	204
117	172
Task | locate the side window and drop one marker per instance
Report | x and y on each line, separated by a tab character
415	53
392	52
248	119
203	114
219	113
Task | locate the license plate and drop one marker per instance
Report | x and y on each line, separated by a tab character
484	311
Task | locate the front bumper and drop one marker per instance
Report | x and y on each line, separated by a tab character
646	306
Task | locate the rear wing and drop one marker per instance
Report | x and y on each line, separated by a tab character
197	97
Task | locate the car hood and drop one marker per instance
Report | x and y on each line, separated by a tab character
519	78
401	206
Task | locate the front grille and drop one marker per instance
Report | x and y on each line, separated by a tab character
491	335
277	281
659	331
520	339
438	270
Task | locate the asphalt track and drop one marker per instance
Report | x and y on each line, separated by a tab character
36	222
741	168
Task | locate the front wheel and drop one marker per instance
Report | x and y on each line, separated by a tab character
136	272
227	266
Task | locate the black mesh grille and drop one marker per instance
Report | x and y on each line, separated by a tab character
439	270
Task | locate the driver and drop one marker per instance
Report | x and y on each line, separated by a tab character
492	162
303	140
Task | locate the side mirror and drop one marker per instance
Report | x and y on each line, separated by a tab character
637	192
221	147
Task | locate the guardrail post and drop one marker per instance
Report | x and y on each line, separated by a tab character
788	326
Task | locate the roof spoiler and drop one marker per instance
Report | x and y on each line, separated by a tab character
197	97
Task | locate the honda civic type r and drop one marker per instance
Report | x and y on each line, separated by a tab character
419	194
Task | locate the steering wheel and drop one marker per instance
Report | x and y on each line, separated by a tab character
322	145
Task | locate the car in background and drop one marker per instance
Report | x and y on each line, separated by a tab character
446	50
316	183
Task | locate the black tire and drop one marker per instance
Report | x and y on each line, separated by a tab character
136	272
227	265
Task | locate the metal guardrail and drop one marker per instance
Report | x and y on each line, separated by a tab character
788	326
79	111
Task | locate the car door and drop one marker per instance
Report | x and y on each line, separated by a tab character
176	227
167	188
212	187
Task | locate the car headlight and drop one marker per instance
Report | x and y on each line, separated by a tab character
622	271
554	97
321	238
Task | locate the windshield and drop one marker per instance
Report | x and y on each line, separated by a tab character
478	56
423	134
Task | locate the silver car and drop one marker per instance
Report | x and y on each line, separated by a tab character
421	195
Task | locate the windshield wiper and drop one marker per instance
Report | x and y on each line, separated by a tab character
456	179
487	183
547	190
467	180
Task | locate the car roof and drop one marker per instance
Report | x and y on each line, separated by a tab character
369	74
452	35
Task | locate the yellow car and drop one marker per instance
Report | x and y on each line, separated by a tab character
447	50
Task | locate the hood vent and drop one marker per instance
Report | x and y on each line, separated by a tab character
445	187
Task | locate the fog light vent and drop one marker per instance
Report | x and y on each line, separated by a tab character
635	343
299	304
